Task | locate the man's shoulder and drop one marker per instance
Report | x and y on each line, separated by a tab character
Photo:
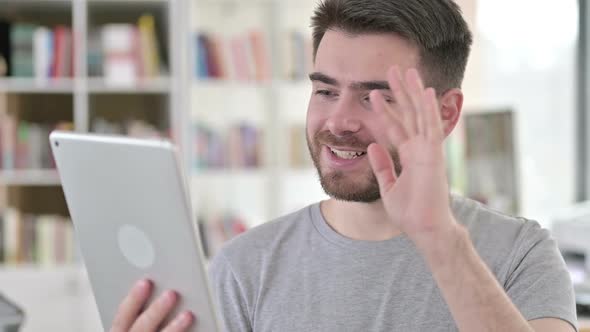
499	238
479	218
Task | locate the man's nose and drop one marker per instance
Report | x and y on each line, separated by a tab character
344	118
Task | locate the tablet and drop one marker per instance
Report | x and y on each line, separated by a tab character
132	219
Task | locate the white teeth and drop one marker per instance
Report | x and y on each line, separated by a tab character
347	154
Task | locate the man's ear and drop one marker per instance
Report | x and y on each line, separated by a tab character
451	104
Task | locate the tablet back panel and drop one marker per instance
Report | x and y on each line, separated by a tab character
132	219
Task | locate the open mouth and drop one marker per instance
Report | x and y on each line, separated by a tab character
348	155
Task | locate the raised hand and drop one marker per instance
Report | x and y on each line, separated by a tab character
418	200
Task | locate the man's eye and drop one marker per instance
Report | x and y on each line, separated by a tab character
388	100
326	93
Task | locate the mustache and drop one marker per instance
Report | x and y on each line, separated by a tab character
327	138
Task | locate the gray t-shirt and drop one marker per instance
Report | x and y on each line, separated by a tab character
297	274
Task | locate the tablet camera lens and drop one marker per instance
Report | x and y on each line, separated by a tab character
56	143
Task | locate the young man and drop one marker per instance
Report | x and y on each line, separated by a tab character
391	250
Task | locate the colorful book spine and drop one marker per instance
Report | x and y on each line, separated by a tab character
240	146
30	239
62	49
25	145
148	46
43	52
21	37
243	57
120	65
8	137
5	48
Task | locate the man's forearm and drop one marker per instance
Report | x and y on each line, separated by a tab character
475	299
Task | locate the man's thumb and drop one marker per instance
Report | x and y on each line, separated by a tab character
382	166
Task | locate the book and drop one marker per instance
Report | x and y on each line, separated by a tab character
297	55
120	65
2	236
239	59
94	53
298	151
62	59
242	57
240	146
8	139
148	46
21	38
201	67
260	55
42	52
25	145
22	146
12	235
5	48
36	239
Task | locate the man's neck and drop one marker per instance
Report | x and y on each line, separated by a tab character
359	221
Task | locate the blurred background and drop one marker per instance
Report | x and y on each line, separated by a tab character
226	80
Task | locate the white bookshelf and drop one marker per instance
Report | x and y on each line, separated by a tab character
161	85
36	177
32	85
58	297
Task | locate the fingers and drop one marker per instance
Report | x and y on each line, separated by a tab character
404	105
131	306
155	314
418	105
396	130
382	166
131	318
181	323
416	94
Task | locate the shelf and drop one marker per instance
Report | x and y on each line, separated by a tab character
289	3
153	85
230	84
34	269
119	2
33	85
299	171
30	178
225	173
96	85
28	3
225	84
224	178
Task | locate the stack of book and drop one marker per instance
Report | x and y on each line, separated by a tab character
29	239
218	229
297	55
125	53
298	151
248	58
28	50
239	147
239	58
25	145
133	127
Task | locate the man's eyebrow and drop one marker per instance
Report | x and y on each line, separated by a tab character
363	85
323	78
370	85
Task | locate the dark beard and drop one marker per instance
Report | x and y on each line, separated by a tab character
335	183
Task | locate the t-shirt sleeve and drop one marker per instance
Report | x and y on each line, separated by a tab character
228	295
538	281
